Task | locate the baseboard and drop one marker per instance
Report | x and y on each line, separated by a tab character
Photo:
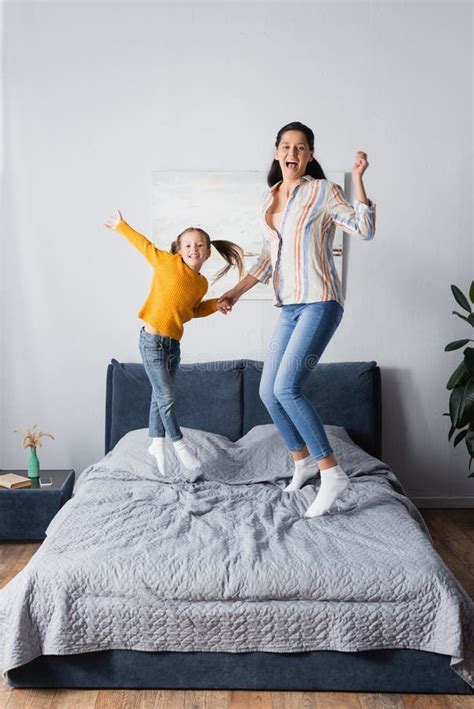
444	502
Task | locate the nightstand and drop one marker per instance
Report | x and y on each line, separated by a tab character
26	512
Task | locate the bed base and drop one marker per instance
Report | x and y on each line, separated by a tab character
371	671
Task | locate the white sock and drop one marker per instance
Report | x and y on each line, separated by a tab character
157	450
305	469
333	483
187	458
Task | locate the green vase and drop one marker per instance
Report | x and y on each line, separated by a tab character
33	464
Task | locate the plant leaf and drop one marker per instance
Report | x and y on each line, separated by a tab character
451	432
460	436
456	345
470	443
470	319
456	377
454	405
469	360
466	408
463	317
471	292
461	299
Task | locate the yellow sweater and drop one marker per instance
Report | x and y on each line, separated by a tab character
176	290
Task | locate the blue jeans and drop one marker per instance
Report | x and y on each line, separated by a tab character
301	336
161	356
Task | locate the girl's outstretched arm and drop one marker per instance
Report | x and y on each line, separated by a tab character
147	248
205	307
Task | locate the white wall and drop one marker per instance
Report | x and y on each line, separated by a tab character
98	95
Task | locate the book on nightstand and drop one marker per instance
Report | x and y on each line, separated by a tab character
10	480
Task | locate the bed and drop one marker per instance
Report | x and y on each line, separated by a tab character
215	579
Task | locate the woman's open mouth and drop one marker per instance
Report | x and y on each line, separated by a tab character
291	165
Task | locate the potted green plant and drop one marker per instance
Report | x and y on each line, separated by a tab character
461	381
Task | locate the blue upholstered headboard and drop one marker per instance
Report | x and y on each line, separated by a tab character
222	397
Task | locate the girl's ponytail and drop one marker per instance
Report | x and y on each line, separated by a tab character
230	252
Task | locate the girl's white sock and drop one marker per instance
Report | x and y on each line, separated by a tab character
333	483
187	458
305	469
157	450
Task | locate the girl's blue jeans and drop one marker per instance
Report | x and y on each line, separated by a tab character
300	337
161	356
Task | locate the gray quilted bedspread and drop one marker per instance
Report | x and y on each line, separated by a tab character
226	561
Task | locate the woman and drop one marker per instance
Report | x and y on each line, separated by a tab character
300	213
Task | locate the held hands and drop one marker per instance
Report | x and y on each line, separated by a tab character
360	164
226	301
223	305
112	222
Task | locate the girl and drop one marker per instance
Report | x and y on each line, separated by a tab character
300	213
175	297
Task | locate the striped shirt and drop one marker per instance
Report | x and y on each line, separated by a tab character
299	254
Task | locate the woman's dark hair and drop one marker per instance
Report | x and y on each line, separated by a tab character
230	252
313	168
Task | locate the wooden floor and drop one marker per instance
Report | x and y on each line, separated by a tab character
453	536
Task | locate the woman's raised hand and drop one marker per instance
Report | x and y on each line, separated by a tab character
112	222
360	164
